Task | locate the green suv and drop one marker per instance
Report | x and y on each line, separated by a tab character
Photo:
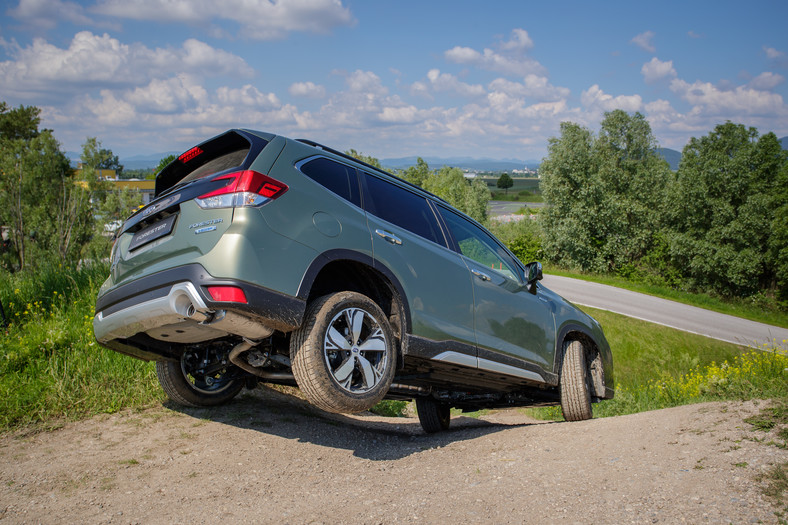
264	258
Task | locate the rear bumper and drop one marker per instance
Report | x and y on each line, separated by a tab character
154	316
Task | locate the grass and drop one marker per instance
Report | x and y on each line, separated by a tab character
739	308
520	196
51	368
776	479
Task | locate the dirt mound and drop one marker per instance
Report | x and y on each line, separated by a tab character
270	458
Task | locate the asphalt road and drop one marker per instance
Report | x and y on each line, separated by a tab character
495	208
668	313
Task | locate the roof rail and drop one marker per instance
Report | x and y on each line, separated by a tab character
370	166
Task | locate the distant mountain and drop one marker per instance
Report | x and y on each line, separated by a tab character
784	142
469	163
671	155
135	162
143	162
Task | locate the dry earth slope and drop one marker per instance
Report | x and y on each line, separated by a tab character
270	458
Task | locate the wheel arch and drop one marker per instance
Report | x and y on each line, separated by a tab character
346	270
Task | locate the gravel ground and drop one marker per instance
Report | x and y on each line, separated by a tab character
270	458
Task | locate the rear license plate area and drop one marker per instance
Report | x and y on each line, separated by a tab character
150	233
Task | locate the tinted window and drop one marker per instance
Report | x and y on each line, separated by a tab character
477	245
403	208
334	176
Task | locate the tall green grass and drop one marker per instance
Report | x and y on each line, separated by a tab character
50	365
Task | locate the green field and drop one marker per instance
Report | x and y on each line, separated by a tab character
524	190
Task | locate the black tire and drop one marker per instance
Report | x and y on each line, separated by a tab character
433	416
575	388
344	356
187	384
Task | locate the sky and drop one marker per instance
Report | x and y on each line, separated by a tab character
391	78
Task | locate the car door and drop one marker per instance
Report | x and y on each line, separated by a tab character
513	326
408	240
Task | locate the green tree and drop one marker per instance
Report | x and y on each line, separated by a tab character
727	229
505	182
778	241
417	174
451	185
35	181
372	161
604	194
20	123
95	157
109	206
573	195
162	164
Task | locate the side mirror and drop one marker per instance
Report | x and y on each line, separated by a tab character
533	273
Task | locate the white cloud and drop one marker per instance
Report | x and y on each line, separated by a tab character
365	82
307	90
533	86
777	57
110	110
166	96
420	89
773	53
463	55
656	70
519	40
729	104
443	82
400	115
248	96
262	19
48	13
512	61
766	81
101	61
643	41
595	99
492	61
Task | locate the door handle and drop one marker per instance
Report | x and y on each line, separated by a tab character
481	275
389	237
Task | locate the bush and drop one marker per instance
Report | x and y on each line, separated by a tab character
523	238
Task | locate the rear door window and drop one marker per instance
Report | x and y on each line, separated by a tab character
399	206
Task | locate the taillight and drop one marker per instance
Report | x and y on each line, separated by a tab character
243	188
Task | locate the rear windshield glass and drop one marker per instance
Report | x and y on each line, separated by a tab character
216	155
229	160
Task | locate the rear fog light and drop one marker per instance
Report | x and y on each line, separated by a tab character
228	294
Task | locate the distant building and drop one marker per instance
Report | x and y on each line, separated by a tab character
145	187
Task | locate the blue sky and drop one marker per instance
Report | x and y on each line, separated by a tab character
391	78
